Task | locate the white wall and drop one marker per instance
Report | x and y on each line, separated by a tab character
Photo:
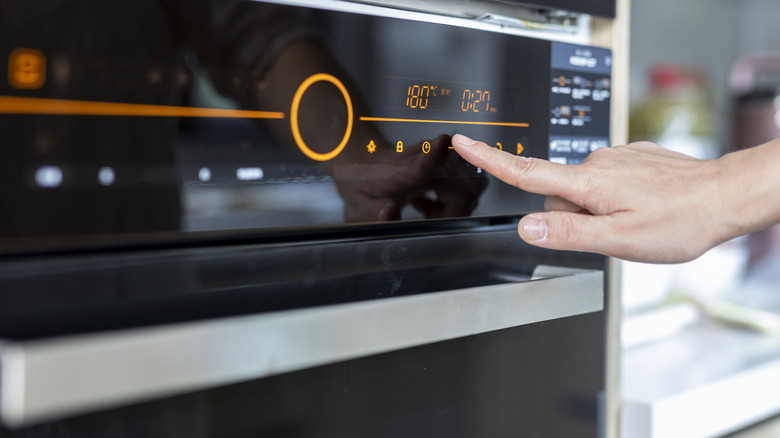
759	25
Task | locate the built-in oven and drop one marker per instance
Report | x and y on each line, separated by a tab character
244	218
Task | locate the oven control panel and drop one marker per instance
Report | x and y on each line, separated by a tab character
262	117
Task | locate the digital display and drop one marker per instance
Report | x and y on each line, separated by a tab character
419	96
275	119
422	94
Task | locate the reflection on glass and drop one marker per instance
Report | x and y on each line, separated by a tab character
243	115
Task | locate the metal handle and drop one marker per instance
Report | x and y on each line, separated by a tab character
47	379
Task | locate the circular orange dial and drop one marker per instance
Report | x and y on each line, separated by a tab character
296	102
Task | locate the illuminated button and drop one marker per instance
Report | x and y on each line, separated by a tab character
426	147
296	103
371	147
499	146
249	174
48	177
204	174
26	69
399	147
519	148
106	176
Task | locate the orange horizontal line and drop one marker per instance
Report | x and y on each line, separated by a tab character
389	119
37	105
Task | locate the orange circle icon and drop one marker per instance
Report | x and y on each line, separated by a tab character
296	103
426	147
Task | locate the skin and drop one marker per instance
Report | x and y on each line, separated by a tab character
641	202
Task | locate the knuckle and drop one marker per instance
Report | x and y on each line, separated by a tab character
596	203
521	167
599	152
567	231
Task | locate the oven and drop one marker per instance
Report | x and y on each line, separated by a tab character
245	218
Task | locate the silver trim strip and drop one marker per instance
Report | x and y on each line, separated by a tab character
580	35
12	378
49	379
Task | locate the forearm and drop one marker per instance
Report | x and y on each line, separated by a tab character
750	189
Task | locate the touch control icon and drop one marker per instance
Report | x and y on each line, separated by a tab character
26	69
296	103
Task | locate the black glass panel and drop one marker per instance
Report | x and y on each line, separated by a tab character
166	119
42	297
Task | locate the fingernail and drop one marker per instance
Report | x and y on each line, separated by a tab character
463	140
534	229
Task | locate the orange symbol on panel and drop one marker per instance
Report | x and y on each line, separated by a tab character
519	148
296	103
426	147
500	146
26	68
399	147
371	147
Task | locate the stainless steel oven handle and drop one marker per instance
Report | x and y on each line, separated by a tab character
47	379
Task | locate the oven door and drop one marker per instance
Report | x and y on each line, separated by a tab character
435	334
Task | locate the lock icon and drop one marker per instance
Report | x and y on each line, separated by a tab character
399	147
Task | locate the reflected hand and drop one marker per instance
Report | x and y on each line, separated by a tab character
377	187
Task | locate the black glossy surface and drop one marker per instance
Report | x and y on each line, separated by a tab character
55	296
175	178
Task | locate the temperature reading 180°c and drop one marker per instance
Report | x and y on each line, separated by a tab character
418	96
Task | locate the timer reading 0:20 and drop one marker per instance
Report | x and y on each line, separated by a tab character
419	96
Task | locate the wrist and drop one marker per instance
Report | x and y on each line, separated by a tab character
749	189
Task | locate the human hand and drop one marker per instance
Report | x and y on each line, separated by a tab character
637	202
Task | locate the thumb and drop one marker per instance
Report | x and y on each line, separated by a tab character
562	230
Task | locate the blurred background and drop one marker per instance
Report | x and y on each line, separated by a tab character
701	340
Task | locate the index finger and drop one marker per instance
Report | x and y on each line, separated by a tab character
529	174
